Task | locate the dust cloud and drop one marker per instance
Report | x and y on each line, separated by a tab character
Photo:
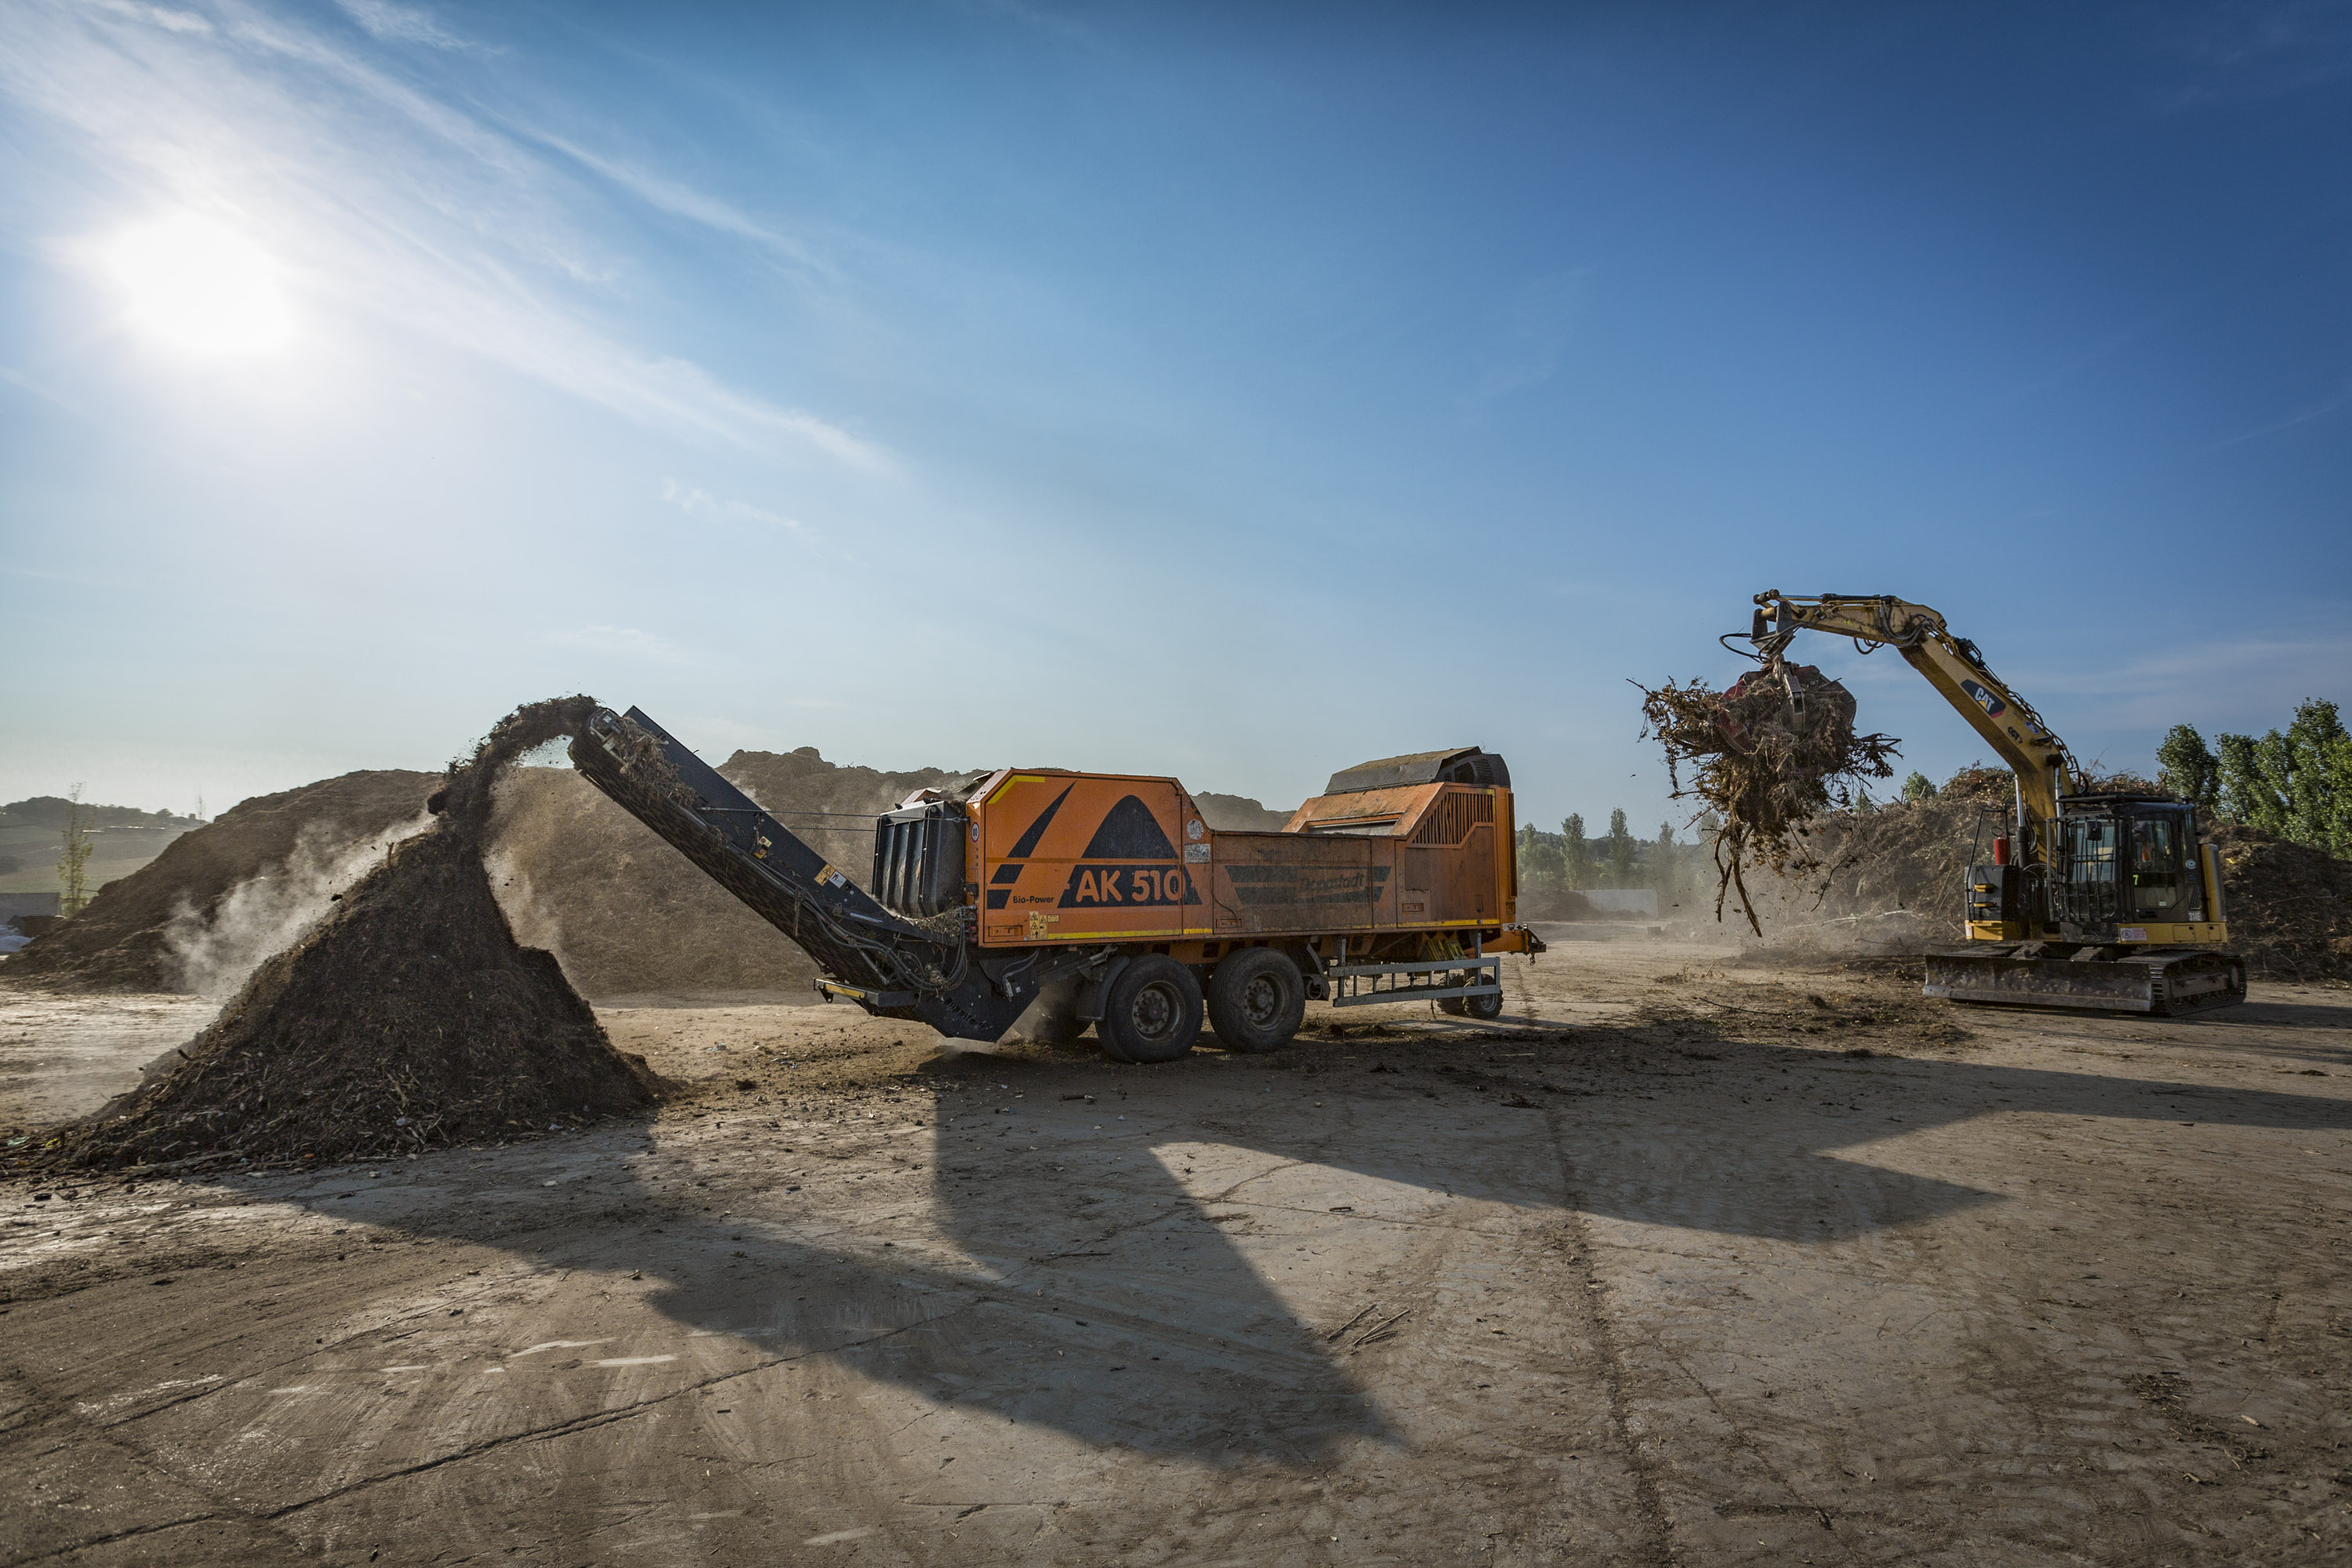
218	950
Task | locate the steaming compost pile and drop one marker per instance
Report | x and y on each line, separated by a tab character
409	1018
1769	755
264	857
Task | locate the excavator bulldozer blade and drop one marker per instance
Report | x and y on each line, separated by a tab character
2163	981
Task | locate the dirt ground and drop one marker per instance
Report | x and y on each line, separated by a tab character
1685	1261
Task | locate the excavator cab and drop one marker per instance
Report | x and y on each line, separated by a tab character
2124	862
2119	919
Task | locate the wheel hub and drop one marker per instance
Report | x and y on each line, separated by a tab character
1155	1012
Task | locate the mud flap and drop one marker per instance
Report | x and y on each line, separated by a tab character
1094	989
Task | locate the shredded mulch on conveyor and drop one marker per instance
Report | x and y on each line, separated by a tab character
1764	765
409	1018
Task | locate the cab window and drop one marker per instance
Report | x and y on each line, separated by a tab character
2092	844
2161	873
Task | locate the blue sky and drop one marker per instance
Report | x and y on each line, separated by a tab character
1235	391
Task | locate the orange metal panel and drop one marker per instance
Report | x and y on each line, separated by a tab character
1086	857
1298	882
1067	857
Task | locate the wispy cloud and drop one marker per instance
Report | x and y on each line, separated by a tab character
2218	683
2269	50
169	20
2230	681
665	195
692	499
625	641
383	198
2307	414
400	24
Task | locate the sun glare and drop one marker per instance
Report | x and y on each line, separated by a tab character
201	286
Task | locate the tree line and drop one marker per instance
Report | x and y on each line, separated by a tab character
2294	783
1571	860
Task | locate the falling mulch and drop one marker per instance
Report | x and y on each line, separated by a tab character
1769	755
409	1018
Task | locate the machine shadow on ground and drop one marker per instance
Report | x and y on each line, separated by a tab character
1041	1260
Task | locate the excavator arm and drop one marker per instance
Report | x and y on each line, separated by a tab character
2045	769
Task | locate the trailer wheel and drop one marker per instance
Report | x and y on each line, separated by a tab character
1153	1012
1256	1001
1486	1007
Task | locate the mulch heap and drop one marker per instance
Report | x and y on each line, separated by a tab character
2289	906
1912	853
409	1018
1766	764
122	941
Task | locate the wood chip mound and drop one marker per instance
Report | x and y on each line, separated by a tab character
409	1018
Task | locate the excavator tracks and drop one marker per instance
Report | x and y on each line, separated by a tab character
2162	982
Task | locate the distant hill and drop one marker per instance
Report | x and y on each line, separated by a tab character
49	811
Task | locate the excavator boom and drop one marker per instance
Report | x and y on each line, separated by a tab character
2045	769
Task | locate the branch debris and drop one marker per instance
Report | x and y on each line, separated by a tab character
1768	755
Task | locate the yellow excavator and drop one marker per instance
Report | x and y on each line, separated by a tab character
2099	900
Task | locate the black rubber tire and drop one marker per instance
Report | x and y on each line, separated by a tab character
1452	1005
1487	1008
1152	1013
1257	999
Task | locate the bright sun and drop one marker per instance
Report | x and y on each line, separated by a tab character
201	286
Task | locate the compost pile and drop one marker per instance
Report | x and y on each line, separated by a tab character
408	1019
2289	906
1913	854
269	850
1763	763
